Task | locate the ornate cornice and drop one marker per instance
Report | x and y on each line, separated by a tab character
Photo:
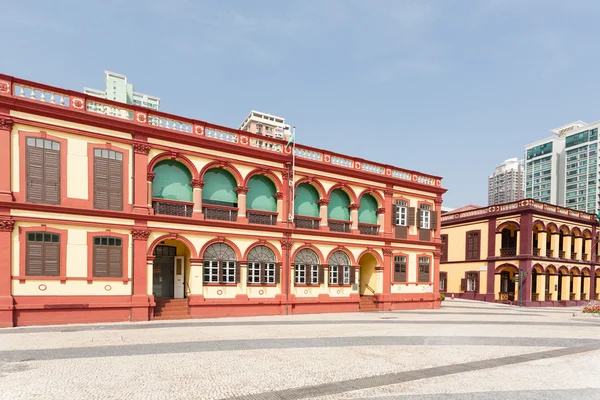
7	225
242	189
285	245
387	251
6	123
197	183
140	234
141	148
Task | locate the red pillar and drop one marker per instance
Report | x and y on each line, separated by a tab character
5	159
387	270
140	301
140	178
388	205
437	254
6	299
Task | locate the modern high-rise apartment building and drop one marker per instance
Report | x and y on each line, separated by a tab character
265	124
506	184
563	169
118	89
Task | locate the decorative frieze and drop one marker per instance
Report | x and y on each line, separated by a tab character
6	123
141	148
140	234
197	183
7	225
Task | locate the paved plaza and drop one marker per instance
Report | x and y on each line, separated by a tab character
465	350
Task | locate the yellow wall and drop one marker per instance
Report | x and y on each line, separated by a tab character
456	272
457	239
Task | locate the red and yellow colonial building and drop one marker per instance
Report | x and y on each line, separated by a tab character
553	250
111	212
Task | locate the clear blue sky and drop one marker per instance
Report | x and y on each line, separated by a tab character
447	87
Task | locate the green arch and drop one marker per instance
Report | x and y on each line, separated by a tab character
261	194
338	205
307	201
219	188
368	210
172	181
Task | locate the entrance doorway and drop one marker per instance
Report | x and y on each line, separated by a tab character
367	276
168	273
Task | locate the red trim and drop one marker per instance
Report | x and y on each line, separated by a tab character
512	267
505	224
376	195
541	223
127	207
431	268
343	250
173	156
64	240
346	189
315	183
267	244
222	165
372	252
574	271
564	229
393	272
265	172
228	242
174	236
307	246
90	255
467	258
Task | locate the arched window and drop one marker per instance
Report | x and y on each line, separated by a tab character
340	270
306	202
261	197
172	181
219	188
368	210
338	205
308	271
262	266
220	264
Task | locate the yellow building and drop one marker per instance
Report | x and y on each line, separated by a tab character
113	212
548	252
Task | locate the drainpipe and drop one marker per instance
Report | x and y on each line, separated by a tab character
287	240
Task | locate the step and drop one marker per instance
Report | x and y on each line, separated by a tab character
164	318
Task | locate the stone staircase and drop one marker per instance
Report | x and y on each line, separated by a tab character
367	303
171	309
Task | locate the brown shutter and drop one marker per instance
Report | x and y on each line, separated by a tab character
237	272
322	274
397	272
35	174
463	285
340	270
100	267
433	219
352	274
51	176
51	259
411	216
277	272
115	262
424	234
403	273
418	218
115	185
101	191
394	214
477	284
401	232
34	260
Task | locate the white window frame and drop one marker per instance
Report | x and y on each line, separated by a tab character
346	274
270	273
401	211
425	216
471	282
300	272
228	274
253	269
333	275
211	271
314	274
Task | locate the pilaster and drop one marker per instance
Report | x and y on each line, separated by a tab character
140	167
6	299
140	300
5	158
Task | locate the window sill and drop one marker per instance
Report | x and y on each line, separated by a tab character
335	285
23	279
261	284
308	284
217	284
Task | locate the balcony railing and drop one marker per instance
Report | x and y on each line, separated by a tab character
549	253
561	254
536	252
508	252
368	229
262	217
220	213
339	226
174	208
307	222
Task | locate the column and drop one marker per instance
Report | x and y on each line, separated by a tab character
149	179
323	214
542	238
566	292
577	286
6	299
524	235
140	301
354	217
554	287
150	273
541	287
280	212
381	220
491	264
242	191
497	284
387	224
554	238
197	186
286	195
567	246
387	270
5	160
498	243
196	276
588	250
578	242
437	255
140	178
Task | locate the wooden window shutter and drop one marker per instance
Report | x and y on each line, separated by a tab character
340	271
51	176
424	234
394	214
101	178
397	272
277	272
411	216
322	274
35	174
433	220
401	232
463	285
115	262
352	274
418	218
115	185
238	270
478	246
51	259
477	283
34	259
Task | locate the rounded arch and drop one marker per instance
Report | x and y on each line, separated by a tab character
174	236
261	194
575	271
367	213
539	224
309	247
344	250
504	267
585	271
375	194
564	229
220	188
507	224
169	155
598	272
267	173
172	181
347	189
267	244
373	253
551	227
315	183
587	234
306	202
228	242
551	269
222	165
538	268
576	232
339	203
564	270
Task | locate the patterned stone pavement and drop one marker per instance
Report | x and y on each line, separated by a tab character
466	350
